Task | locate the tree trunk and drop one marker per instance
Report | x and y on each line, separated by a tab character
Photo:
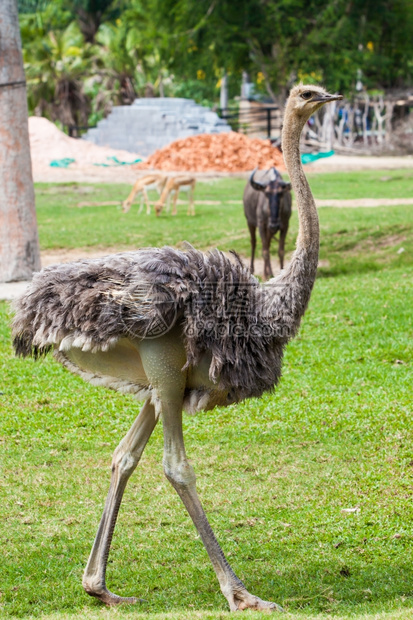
19	244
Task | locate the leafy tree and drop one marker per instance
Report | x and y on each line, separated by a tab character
36	16
32	6
282	40
183	47
91	14
119	59
56	65
203	39
366	35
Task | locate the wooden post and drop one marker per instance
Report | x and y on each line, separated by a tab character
19	244
268	111
223	95
327	129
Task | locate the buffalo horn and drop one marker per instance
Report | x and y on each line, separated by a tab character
258	186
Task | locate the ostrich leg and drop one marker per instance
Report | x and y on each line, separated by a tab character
163	359
125	459
182	477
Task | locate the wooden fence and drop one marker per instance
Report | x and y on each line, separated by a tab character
363	124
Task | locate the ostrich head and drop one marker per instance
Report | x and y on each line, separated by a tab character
305	100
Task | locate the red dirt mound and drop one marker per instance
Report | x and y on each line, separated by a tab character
223	152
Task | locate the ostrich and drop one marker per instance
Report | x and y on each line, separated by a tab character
267	206
140	322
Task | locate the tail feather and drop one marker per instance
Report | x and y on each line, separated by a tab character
23	330
24	347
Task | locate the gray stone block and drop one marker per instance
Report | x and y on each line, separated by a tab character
149	124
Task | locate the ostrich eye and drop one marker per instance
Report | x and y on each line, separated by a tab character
307	95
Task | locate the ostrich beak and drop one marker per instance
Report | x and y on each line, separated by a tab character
326	98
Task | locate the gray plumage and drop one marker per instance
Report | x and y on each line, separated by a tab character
91	304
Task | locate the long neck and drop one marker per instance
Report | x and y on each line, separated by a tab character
298	279
308	234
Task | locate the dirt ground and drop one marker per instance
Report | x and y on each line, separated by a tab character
352	163
88	173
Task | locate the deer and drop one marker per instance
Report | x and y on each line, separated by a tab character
267	206
174	184
149	181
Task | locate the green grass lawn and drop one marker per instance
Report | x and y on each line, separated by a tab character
373	236
277	475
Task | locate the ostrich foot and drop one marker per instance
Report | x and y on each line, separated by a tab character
239	600
107	597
